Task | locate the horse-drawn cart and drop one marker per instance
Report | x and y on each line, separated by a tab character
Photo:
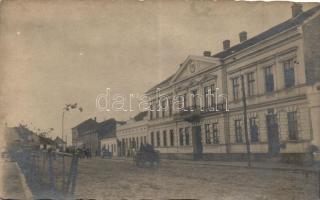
146	154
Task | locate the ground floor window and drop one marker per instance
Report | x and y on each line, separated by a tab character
181	136
254	129
158	138
207	132
292	125
171	138
187	135
215	133
133	143
152	138
165	138
238	131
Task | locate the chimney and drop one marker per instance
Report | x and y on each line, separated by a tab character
296	9
243	36
226	44
207	53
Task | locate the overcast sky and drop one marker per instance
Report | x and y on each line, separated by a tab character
58	52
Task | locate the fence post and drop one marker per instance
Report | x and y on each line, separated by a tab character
33	166
63	173
74	172
50	168
72	175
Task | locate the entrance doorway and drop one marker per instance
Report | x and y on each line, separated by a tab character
273	134
197	144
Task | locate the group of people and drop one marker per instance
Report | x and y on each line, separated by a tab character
84	152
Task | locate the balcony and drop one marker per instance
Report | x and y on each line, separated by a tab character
189	114
194	113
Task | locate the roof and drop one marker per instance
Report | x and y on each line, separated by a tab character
58	140
107	128
140	116
292	22
161	84
295	21
86	125
44	140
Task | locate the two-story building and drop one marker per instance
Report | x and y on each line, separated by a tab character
90	133
199	111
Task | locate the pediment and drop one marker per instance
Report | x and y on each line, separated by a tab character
194	65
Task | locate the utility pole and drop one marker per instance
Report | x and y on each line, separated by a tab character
68	107
62	128
244	100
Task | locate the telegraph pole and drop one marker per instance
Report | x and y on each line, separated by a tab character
68	107
244	100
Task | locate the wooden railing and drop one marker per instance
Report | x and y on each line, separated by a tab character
52	173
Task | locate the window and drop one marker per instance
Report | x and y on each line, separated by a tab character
158	139
187	136
194	98
268	77
165	138
133	143
209	92
181	136
250	82
171	138
292	125
215	133
151	112
238	131
212	92
157	111
181	101
206	96
185	101
235	88
254	129
152	138
170	107
207	132
289	78
163	108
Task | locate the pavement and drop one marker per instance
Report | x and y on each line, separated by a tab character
266	165
181	179
13	184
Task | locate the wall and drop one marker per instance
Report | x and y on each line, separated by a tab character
311	35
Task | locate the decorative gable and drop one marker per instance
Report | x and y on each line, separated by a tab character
194	65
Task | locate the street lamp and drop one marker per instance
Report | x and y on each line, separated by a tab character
68	107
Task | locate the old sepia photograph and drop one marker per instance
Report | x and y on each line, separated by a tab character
159	99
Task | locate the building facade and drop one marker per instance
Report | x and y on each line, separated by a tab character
279	73
90	133
130	135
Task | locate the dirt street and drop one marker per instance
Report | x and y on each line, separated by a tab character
116	179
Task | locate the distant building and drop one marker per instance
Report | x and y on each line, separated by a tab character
22	136
129	136
60	144
89	133
46	143
84	134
